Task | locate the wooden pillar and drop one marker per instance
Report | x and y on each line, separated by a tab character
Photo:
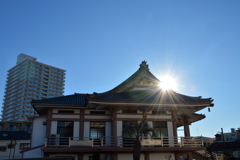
114	123
80	156
114	156
186	126
49	122
146	156
189	156
177	156
81	128
186	130
174	124
46	155
145	117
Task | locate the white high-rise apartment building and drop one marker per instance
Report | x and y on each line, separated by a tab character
29	80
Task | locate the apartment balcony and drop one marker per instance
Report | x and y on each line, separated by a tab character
120	144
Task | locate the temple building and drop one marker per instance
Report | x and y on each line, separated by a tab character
89	126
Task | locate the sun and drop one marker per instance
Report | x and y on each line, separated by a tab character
167	83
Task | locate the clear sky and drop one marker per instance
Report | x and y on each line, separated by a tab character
102	43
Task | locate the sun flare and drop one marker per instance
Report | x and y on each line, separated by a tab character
167	83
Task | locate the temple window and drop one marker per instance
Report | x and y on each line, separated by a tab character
160	128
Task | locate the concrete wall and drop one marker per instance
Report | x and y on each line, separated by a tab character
35	153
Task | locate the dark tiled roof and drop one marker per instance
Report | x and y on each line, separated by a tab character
75	99
15	135
229	145
150	96
133	96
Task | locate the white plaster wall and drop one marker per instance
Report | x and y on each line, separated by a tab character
129	156
35	153
5	155
97	117
129	116
158	156
106	112
74	155
108	133
139	111
86	156
120	111
76	110
38	131
170	133
76	130
86	129
119	128
55	111
160	116
65	116
54	127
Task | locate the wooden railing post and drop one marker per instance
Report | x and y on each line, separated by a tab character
182	141
92	142
102	141
69	142
45	142
118	142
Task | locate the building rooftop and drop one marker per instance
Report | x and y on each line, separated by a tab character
16	135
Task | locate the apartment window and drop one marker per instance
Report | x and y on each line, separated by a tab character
24	146
12	128
65	129
97	129
28	128
11	145
160	129
3	149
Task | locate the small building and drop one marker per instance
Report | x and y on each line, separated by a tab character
89	126
16	126
12	143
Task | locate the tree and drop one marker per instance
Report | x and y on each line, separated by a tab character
137	130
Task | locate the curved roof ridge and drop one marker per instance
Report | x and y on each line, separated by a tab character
143	65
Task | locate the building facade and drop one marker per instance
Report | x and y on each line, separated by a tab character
16	126
12	143
28	80
89	126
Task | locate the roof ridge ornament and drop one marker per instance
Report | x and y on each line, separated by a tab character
144	64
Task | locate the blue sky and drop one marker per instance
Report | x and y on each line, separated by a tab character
102	43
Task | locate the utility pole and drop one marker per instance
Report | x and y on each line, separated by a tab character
225	149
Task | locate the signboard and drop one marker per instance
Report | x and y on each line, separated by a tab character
151	142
